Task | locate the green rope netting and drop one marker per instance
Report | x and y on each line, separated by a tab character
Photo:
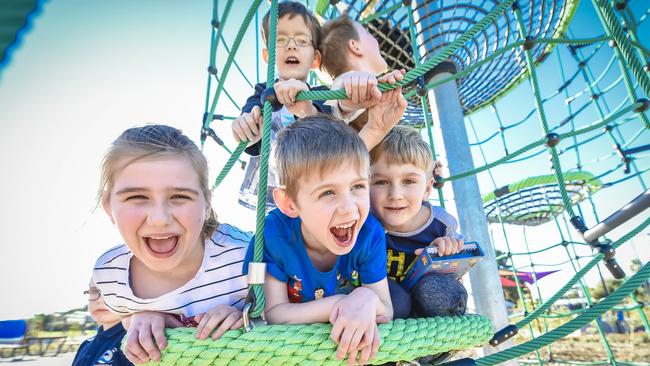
403	339
535	200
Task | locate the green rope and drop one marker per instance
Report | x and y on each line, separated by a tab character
229	164
231	56
402	339
614	29
590	314
258	249
379	14
541	309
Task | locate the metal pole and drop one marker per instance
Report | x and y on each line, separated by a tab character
484	278
618	218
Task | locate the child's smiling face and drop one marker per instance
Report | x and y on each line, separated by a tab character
159	208
297	57
333	207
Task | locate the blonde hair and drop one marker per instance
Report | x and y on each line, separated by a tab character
404	145
155	141
316	144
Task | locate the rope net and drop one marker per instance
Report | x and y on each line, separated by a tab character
586	93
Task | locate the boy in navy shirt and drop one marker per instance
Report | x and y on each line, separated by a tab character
103	348
401	182
326	257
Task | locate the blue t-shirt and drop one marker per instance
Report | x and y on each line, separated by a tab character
103	349
287	260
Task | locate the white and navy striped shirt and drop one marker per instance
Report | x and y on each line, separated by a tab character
218	281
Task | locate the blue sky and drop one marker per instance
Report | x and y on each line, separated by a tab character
89	69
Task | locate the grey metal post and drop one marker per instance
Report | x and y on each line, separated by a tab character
484	278
447	112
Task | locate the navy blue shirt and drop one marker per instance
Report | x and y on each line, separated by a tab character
103	349
287	260
400	247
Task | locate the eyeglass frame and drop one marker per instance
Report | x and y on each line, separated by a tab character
93	290
311	41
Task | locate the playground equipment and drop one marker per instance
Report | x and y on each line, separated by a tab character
463	57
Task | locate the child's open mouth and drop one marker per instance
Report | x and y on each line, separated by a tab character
344	233
292	60
162	246
395	209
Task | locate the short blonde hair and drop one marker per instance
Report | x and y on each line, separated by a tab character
404	145
316	144
153	141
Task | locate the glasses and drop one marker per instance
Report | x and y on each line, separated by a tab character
92	293
300	41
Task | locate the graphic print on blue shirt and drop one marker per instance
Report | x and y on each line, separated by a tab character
287	259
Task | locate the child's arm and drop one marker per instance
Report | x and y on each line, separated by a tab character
145	336
279	310
286	91
223	316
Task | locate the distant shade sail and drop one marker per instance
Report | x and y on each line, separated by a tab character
536	200
15	20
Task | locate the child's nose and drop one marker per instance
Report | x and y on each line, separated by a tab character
159	214
394	192
348	204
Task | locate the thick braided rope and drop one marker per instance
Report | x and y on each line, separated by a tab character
229	164
426	66
588	178
403	339
614	29
258	249
590	314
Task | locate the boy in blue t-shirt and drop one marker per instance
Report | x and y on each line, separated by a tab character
401	182
326	257
103	348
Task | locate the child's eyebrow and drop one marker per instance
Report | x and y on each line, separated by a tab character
143	189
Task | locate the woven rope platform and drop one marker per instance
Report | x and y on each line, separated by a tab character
311	344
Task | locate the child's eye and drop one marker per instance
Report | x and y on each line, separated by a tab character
326	193
409	181
136	197
181	197
380	182
358	186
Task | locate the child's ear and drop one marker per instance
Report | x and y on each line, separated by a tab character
353	46
429	189
107	208
265	54
317	60
284	203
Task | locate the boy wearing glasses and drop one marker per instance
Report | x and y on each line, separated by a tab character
103	348
296	46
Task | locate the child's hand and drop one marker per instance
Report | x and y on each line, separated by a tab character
248	126
437	168
447	245
224	316
386	114
361	89
286	91
392	77
145	337
354	328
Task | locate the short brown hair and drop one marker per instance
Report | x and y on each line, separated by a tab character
336	34
316	144
293	8
404	145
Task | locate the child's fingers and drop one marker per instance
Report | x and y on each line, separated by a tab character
251	123
146	341
134	351
347	85
352	357
158	332
355	89
226	324
257	113
356	340
376	342
344	343
214	319
248	124
238	324
418	251
364	355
